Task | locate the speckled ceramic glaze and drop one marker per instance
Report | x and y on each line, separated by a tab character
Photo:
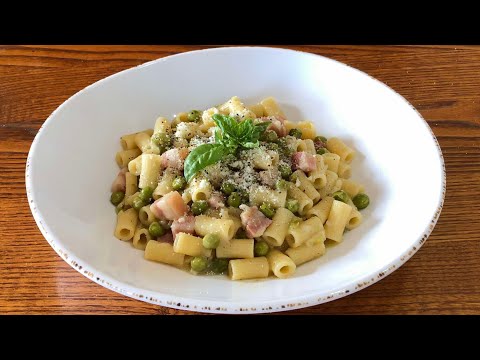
71	165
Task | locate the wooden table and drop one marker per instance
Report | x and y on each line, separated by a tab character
442	82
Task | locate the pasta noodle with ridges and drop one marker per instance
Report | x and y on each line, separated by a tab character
141	238
305	253
236	249
306	186
124	157
163	252
127	142
338	147
126	223
277	231
310	231
224	228
337	220
280	264
241	269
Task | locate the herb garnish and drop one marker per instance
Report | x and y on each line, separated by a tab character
232	135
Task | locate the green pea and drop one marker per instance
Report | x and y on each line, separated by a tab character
162	140
227	188
234	200
138	203
211	241
146	194
198	264
244	196
321	138
261	248
340	196
179	183
199	207
219	266
361	201
269	136
292	205
295	132
281	185
117	197
285	171
322	151
267	210
284	148
194	116
156	230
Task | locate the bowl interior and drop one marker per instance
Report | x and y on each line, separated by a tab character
71	166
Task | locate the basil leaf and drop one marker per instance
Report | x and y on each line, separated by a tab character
227	124
201	157
218	136
245	130
233	134
251	145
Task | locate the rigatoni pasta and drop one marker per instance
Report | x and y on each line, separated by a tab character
337	220
130	184
163	252
126	223
235	189
337	146
236	249
332	161
125	156
224	228
128	141
150	171
280	264
305	253
241	269
141	238
277	230
321	209
190	245
309	231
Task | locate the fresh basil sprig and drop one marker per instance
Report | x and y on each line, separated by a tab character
201	157
232	135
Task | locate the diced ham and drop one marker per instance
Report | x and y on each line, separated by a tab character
269	177
253	221
174	158
185	224
278	127
277	124
169	207
216	200
119	184
167	237
319	144
304	161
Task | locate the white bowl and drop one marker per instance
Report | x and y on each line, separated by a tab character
71	165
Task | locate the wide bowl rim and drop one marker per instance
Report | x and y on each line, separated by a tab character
213	306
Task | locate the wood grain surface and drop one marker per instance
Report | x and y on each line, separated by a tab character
442	82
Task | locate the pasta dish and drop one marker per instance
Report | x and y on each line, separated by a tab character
235	189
